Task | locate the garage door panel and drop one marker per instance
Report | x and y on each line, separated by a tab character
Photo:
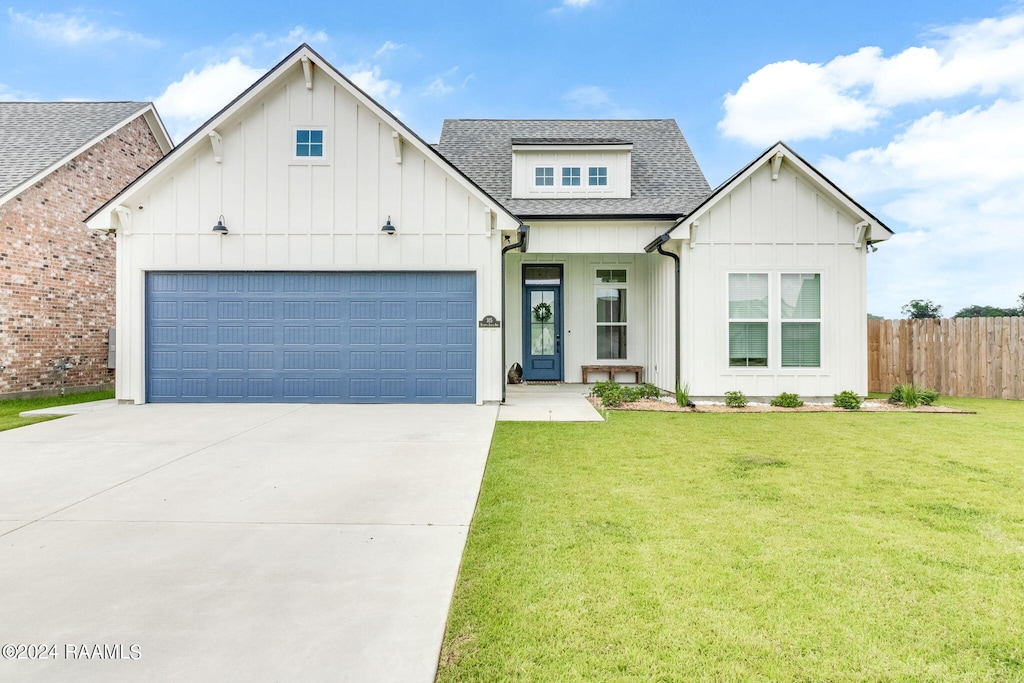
309	337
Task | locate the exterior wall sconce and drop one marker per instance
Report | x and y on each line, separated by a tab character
387	228
220	228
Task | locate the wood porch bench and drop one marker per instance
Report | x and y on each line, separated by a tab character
637	370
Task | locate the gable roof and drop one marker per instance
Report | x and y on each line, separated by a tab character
40	136
303	51
807	170
667	182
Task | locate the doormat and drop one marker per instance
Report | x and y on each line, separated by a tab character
538	383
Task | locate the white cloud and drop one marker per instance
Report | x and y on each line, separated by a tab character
792	100
367	77
593	100
795	100
199	95
292	39
74	29
438	88
578	4
387	47
954	181
8	95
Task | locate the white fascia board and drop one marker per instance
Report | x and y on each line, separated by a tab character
626	147
148	112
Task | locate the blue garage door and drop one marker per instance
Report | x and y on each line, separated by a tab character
311	337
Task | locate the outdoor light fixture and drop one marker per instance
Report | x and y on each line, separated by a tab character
220	228
387	228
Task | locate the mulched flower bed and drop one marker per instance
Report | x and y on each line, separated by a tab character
873	405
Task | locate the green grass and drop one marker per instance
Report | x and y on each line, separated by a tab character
9	410
748	547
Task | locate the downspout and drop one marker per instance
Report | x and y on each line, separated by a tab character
524	234
659	245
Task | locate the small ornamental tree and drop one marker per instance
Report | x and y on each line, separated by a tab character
922	308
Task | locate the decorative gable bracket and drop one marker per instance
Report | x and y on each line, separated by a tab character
862	234
307	71
776	164
217	142
398	146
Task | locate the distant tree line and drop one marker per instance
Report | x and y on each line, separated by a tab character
926	308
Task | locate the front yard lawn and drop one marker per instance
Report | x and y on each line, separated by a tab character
10	409
748	547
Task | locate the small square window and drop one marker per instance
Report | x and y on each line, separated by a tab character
597	175
544	176
309	142
571	176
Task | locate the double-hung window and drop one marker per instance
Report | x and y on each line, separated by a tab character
800	300
748	319
610	288
788	320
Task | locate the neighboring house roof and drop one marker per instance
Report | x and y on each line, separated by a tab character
666	180
784	151
304	51
37	137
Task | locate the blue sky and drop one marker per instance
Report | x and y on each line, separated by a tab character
914	108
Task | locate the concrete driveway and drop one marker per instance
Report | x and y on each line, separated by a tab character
235	542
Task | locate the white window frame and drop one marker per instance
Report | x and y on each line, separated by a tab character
579	176
767	320
324	159
818	320
775	321
599	177
551	177
612	285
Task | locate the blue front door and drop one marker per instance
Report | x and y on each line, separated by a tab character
542	323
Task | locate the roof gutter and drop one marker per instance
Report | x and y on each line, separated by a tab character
658	244
524	240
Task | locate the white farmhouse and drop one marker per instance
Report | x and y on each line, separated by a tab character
304	245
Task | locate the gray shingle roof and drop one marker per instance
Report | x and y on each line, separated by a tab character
36	135
666	177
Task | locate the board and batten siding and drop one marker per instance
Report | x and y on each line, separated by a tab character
285	214
779	226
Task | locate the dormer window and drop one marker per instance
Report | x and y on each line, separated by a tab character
571	168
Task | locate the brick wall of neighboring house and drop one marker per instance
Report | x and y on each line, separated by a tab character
56	275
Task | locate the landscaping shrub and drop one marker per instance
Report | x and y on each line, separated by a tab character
613	394
601	388
847	400
644	390
735	399
785	400
911	395
683	395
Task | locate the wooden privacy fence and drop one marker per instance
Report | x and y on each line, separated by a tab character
981	357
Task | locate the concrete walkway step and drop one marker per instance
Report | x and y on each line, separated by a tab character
71	409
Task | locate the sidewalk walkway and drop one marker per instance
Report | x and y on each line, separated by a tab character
548	403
